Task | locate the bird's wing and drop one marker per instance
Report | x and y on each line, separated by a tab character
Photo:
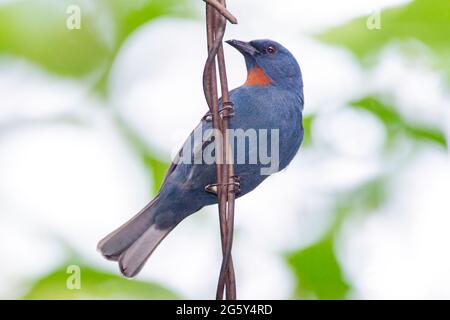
197	149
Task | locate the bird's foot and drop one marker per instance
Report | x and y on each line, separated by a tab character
212	188
233	187
227	111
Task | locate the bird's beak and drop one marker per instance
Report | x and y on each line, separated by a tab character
243	47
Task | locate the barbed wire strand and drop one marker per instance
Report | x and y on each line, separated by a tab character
228	171
215	26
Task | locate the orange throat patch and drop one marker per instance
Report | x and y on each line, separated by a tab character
257	77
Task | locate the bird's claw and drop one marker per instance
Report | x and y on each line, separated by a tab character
233	187
211	188
207	117
227	111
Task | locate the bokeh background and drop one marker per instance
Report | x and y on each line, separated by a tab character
89	119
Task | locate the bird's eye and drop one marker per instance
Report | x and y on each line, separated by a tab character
271	49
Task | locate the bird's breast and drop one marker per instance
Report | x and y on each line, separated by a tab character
257	77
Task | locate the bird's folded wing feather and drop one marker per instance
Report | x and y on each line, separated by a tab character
197	149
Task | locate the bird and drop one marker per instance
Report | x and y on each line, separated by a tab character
270	99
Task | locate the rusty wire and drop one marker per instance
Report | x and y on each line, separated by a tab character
216	15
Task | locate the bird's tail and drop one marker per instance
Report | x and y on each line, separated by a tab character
133	243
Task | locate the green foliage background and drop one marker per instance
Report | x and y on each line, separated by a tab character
95	284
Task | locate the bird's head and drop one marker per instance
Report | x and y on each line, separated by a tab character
269	63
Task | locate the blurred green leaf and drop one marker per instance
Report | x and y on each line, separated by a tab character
36	30
363	199
95	284
127	16
130	15
395	124
318	272
424	20
368	196
307	126
158	168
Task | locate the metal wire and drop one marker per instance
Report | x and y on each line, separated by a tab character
216	15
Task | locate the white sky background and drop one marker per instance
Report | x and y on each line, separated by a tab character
79	182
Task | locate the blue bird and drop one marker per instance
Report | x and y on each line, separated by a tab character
270	102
